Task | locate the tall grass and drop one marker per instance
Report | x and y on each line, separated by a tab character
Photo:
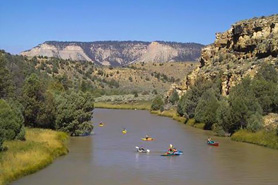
170	113
41	147
262	137
140	105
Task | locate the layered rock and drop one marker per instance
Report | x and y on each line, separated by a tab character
236	53
118	53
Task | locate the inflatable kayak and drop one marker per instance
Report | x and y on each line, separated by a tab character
173	153
124	131
142	150
212	143
147	139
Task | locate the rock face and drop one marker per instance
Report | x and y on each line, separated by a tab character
236	53
118	52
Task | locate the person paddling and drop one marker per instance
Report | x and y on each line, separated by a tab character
172	149
210	140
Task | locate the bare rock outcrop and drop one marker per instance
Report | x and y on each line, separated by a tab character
238	52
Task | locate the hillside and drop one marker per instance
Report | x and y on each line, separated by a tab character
118	53
84	75
140	77
236	53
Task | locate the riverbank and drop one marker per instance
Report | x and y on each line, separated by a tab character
262	138
41	147
140	105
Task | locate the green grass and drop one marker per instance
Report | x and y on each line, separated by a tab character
199	125
262	137
41	147
191	122
171	114
142	105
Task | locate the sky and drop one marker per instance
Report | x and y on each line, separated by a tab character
27	23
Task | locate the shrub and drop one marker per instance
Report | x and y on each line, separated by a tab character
206	108
254	123
11	124
74	113
174	97
157	103
135	94
161	109
223	116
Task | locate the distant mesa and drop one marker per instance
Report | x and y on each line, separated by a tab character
118	53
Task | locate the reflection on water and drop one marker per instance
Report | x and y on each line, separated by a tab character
109	157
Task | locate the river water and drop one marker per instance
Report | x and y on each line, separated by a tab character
109	157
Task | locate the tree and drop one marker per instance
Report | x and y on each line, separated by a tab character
33	98
254	122
135	93
206	108
174	97
74	113
11	123
46	114
188	103
6	83
268	73
157	103
223	116
243	103
265	92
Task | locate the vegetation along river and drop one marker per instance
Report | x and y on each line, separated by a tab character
109	157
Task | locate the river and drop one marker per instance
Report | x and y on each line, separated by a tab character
109	157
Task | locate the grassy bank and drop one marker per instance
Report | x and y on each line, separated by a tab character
263	138
140	105
170	113
41	147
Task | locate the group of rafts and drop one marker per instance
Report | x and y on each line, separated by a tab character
172	151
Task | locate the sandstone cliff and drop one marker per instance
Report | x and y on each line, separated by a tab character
236	53
118	52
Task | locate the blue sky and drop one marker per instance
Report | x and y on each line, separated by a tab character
27	23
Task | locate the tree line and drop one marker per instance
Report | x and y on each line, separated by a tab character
29	98
244	107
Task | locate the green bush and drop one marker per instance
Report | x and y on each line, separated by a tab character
174	97
6	83
157	103
11	124
206	108
74	113
161	109
223	116
243	104
254	123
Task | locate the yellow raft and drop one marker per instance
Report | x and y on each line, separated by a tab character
101	125
124	131
147	139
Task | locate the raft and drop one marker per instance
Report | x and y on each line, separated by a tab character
101	125
149	139
124	131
